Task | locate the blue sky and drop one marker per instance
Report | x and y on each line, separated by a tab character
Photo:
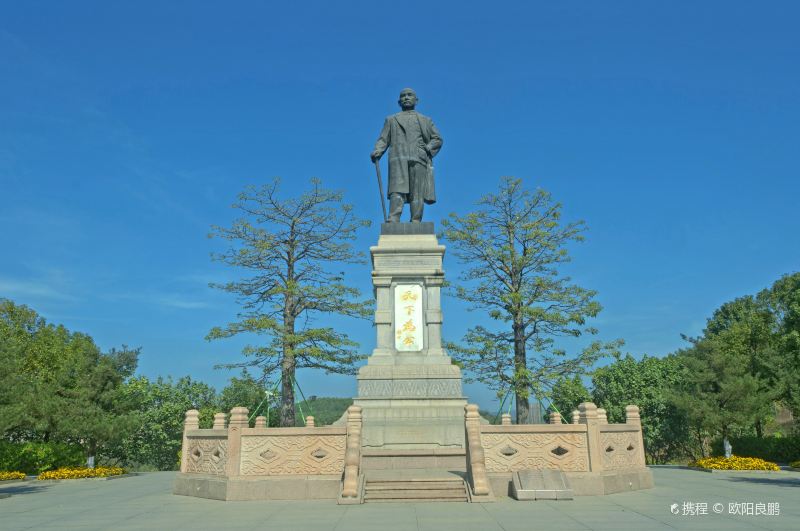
127	129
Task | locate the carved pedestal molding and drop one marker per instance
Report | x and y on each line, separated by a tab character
219	421
505	419
555	417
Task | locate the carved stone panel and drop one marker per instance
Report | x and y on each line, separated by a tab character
408	318
401	372
510	452
422	388
264	455
207	456
405	264
620	450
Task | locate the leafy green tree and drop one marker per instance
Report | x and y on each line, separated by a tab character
247	391
718	393
161	406
514	246
783	302
12	385
746	329
292	247
647	383
65	389
567	393
94	413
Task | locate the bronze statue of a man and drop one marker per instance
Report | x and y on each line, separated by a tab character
413	141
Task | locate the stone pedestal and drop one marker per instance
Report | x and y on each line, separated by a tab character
409	390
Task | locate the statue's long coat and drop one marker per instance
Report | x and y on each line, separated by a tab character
402	151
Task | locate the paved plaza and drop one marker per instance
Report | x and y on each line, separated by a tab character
145	502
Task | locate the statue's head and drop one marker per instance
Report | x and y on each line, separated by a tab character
408	99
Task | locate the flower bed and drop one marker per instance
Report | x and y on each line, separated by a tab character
5	476
734	463
82	472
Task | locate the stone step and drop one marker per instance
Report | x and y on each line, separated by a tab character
416	500
423	494
412	474
414	485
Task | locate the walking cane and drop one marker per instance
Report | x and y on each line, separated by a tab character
380	188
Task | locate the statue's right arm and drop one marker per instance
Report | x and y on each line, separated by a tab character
384	139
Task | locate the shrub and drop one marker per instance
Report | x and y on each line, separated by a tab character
82	472
35	457
795	464
734	463
5	476
778	449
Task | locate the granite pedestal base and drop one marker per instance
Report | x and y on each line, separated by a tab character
409	391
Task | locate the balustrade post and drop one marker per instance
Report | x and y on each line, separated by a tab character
588	416
190	422
475	456
236	424
352	456
632	418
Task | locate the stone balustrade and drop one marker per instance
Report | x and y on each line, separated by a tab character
589	447
235	451
233	461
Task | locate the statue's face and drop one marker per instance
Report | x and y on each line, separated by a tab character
408	99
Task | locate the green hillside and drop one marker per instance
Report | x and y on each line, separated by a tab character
325	410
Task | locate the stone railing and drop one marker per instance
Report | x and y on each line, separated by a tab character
476	462
589	444
352	456
622	444
236	451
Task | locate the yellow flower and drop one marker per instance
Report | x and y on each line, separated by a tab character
735	463
82	472
5	476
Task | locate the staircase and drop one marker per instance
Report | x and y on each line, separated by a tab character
414	485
